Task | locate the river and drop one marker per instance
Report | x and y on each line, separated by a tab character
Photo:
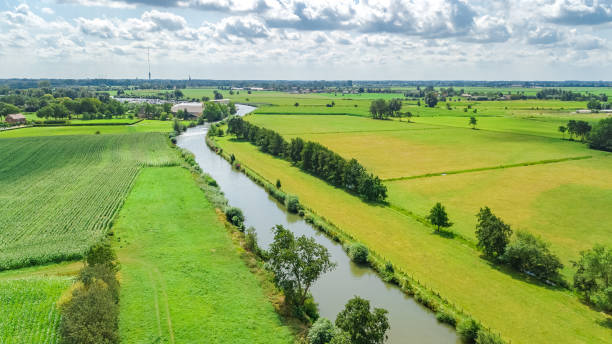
410	322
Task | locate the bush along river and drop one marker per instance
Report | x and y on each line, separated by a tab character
410	321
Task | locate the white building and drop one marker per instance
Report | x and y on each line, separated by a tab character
221	101
195	109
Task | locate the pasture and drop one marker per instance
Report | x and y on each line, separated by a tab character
29	313
182	278
533	312
393	149
59	194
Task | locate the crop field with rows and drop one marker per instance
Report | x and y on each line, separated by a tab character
58	194
29	313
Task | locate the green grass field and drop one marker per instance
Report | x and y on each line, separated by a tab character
29	313
58	195
522	310
565	202
182	278
144	126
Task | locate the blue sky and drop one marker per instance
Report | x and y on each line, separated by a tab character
308	39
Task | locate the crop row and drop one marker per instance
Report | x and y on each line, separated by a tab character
58	195
29	313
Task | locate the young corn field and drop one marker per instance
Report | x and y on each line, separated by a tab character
58	194
29	313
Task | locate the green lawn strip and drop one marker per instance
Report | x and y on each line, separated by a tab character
550	161
531	312
182	279
143	126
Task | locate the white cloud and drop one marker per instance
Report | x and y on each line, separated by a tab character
47	10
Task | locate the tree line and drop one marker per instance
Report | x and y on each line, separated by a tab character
314	158
598	136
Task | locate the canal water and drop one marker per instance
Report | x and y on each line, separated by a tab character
410	322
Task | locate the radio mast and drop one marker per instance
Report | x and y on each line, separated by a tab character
149	63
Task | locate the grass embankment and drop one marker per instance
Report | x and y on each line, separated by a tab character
183	280
522	310
59	194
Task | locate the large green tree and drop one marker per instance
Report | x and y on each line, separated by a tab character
362	325
492	233
297	264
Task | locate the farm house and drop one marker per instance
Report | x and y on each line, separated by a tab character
16	118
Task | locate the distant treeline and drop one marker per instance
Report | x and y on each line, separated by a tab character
288	84
314	158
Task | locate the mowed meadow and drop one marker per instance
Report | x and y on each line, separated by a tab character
517	165
60	193
183	280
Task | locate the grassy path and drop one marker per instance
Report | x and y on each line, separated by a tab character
183	280
524	311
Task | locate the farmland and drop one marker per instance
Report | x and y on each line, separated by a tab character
29	313
60	193
435	260
182	278
515	162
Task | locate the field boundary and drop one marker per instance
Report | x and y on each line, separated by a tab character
521	164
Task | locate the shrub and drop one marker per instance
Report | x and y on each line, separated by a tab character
486	337
293	204
321	332
234	216
358	253
278	184
310	308
468	330
91	316
528	253
251	240
446	318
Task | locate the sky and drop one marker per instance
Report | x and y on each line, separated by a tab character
308	39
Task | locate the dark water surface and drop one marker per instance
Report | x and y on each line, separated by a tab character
410	322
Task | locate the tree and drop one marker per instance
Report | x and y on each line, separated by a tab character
562	130
45	112
297	264
379	109
218	95
530	254
363	326
593	278
8	109
601	136
232	108
594	104
431	99
438	217
395	105
473	122
492	233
